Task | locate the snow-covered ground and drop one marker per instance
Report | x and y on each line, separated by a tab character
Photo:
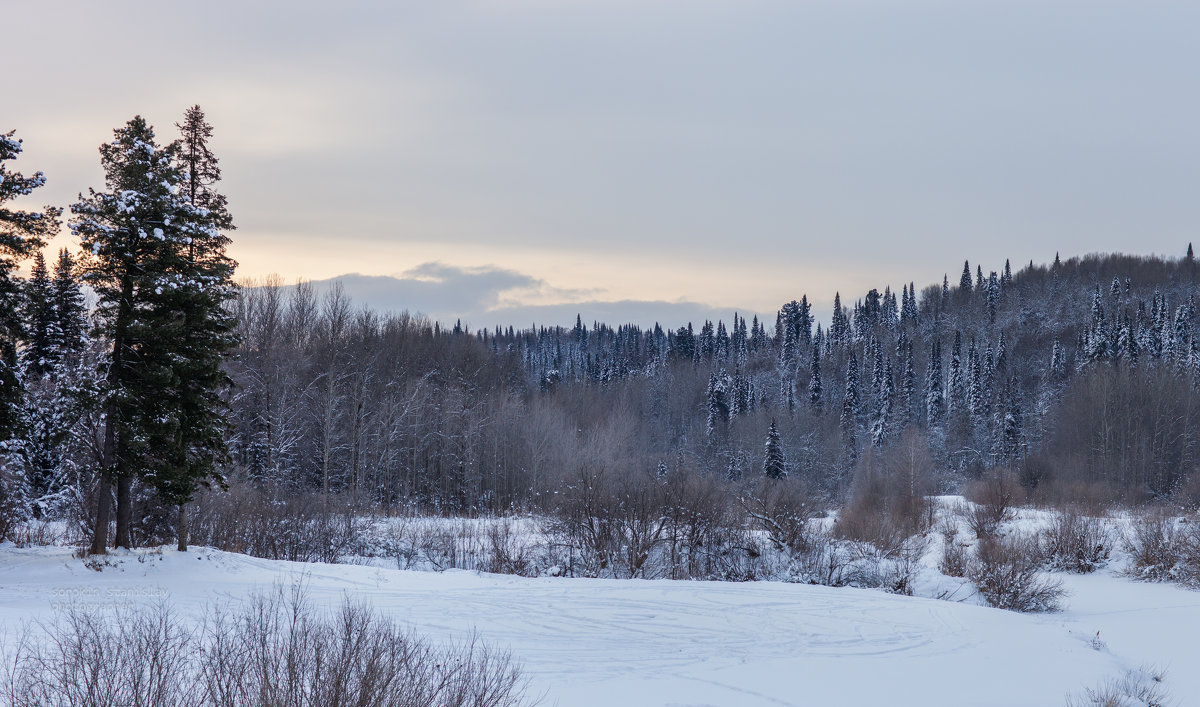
588	642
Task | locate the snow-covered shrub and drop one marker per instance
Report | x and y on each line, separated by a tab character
1007	573
955	556
1075	543
1163	548
889	499
706	536
277	524
510	552
611	523
782	509
276	650
891	568
994	499
1137	688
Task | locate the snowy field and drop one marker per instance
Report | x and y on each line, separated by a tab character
592	642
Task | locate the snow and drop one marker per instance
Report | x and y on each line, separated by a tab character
591	642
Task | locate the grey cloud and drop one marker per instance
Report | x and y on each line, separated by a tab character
476	296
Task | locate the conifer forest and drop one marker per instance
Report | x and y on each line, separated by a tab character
1049	411
1081	377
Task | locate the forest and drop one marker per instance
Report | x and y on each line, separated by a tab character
140	381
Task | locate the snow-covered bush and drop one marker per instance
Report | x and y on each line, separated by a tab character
276	650
1075	543
278	525
782	509
955	556
1007	573
1163	548
1136	688
994	498
890	498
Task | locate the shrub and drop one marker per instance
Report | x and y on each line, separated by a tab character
1164	549
1137	688
782	509
1075	543
1007	573
510	553
994	499
955	558
278	650
889	498
276	524
706	536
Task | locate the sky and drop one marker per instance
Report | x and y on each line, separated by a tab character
513	161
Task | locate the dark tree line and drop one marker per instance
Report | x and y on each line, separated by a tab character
1043	371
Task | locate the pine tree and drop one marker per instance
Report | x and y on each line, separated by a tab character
815	389
787	351
908	388
205	276
958	381
839	334
1009	423
992	289
851	409
22	233
935	404
135	238
69	308
58	399
717	403
964	282
975	389
43	339
883	408
774	461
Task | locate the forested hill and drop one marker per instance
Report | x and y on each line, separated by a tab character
1080	375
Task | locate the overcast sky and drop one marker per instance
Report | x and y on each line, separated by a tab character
625	155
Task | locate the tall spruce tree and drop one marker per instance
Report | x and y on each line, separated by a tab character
22	233
135	237
205	275
935	401
775	461
851	410
69	308
43	340
58	388
957	401
815	389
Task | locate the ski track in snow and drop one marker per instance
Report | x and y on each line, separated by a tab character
681	643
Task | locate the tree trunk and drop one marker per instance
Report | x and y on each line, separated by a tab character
100	535
181	528
124	510
108	452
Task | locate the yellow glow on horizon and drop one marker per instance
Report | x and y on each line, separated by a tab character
569	276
